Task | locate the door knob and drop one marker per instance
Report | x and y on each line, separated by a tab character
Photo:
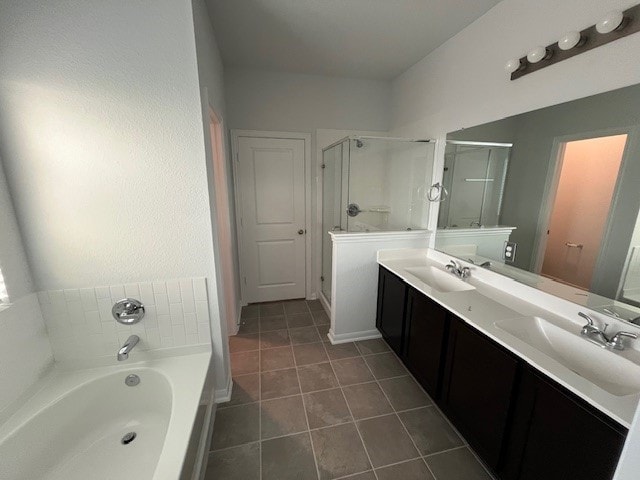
300	232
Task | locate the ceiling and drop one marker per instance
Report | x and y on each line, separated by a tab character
377	39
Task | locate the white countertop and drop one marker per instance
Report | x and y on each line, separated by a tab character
495	299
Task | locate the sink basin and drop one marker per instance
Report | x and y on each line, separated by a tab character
443	282
606	369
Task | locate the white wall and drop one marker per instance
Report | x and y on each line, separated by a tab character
25	351
13	261
102	138
212	97
354	289
463	83
260	100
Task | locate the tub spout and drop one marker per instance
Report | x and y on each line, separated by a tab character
131	342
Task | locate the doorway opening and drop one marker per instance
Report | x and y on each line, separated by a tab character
587	175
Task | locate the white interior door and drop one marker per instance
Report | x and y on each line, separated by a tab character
272	218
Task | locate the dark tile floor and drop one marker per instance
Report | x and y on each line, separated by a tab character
305	409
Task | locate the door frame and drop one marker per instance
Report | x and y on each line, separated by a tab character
236	134
224	237
551	189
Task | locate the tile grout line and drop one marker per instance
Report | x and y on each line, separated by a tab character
324	361
444	451
342	423
351	475
341	387
398	416
434	404
304	405
355	424
260	399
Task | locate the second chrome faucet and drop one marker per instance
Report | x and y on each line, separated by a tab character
598	335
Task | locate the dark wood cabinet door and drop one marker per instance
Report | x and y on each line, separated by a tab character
557	436
425	340
392	293
478	389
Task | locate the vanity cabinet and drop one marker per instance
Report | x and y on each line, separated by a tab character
392	292
556	435
522	424
478	389
425	341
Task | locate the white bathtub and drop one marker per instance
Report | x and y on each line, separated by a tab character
72	428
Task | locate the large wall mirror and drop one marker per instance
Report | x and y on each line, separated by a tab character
551	198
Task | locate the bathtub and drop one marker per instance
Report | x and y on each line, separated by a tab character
75	426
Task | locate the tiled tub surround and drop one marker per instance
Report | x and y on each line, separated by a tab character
305	409
80	324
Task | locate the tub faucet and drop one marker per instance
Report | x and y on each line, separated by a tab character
131	342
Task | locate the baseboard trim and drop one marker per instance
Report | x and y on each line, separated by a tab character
352	337
325	304
224	394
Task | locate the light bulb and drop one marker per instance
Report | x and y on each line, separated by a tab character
513	65
569	40
610	22
536	54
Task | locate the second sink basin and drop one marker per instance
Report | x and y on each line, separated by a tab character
606	369
443	282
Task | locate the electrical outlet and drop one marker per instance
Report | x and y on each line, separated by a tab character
510	251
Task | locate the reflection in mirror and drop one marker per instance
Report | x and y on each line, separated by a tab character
474	175
564	215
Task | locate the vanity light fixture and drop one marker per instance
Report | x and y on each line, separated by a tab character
610	22
614	25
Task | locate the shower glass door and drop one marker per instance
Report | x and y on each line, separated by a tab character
332	211
388	179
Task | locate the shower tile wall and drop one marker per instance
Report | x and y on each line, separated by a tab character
80	324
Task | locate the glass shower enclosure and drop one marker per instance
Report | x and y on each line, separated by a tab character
373	184
474	177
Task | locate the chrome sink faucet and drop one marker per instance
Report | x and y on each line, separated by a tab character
458	270
131	342
614	342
